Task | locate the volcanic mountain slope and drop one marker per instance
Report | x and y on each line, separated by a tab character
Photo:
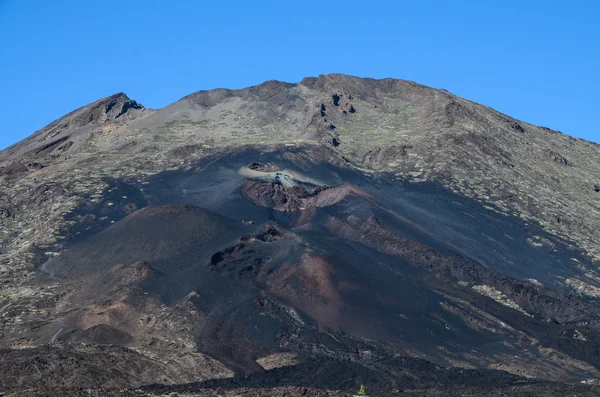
382	232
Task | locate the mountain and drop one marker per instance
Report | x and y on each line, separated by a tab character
326	234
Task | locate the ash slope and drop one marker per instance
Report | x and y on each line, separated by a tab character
310	266
381	125
318	248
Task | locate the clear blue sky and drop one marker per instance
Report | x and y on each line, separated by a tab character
538	61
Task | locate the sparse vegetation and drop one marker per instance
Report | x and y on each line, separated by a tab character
362	391
533	187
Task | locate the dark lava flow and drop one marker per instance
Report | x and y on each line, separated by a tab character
375	259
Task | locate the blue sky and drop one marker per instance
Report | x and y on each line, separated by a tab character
538	61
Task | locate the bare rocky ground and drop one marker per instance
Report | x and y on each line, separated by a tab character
549	390
291	237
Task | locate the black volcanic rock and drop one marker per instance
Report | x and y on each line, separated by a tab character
151	234
331	233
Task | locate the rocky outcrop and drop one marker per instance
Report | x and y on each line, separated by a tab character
113	108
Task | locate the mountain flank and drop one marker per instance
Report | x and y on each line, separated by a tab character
294	238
